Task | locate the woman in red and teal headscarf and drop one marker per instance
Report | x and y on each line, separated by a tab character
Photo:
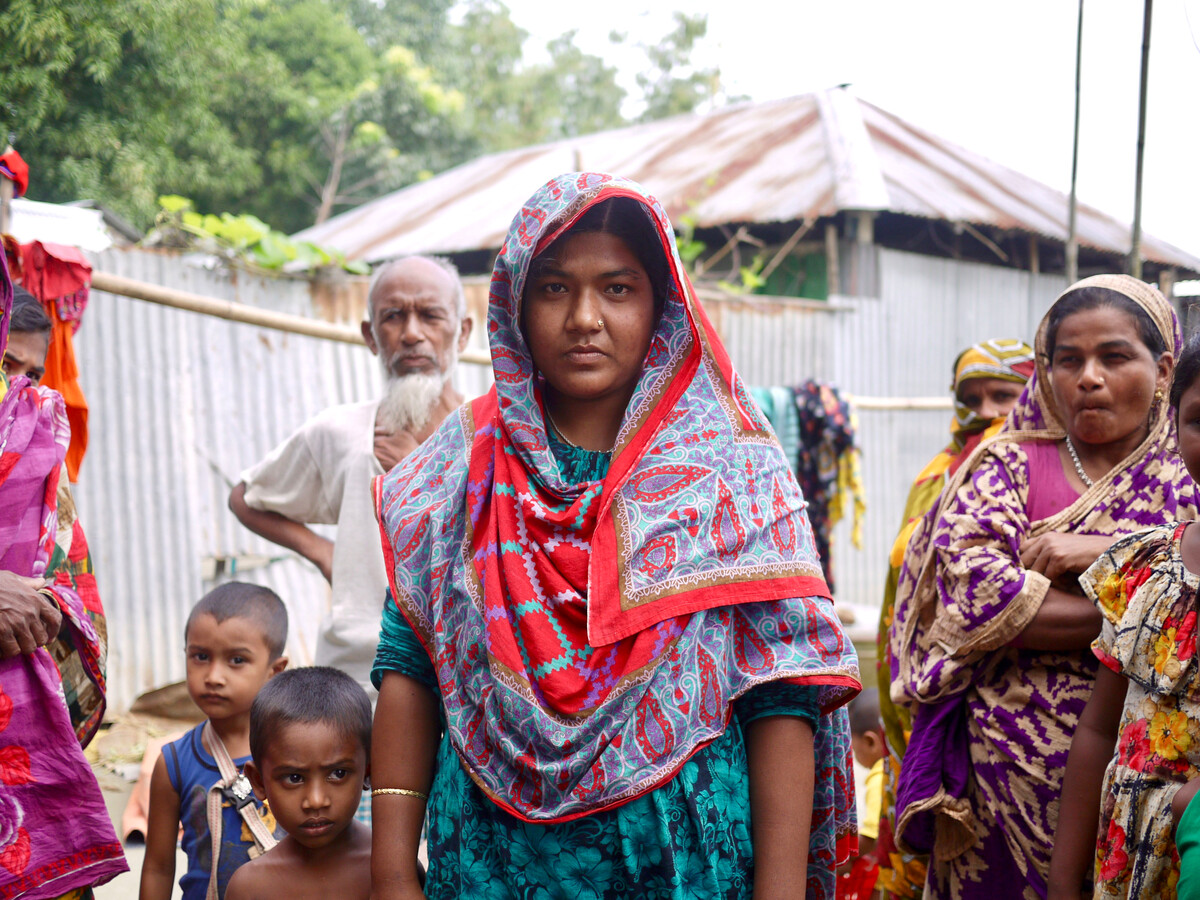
607	601
988	379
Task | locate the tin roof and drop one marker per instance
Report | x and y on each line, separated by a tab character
785	160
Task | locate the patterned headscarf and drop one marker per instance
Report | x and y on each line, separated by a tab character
1005	359
585	636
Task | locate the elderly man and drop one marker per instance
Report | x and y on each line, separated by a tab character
417	325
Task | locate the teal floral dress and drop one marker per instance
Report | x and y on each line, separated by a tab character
689	839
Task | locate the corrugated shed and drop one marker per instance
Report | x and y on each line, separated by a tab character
903	344
785	160
180	405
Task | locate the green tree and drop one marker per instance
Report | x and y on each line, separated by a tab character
671	85
290	110
111	100
515	104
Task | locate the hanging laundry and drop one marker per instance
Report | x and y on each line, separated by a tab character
817	428
60	277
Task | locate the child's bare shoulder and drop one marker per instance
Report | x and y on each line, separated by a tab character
264	877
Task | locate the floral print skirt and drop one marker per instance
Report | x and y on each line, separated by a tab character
689	838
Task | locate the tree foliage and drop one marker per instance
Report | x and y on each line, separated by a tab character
291	110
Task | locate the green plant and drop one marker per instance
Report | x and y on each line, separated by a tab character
245	238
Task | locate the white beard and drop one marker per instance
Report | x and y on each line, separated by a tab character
409	400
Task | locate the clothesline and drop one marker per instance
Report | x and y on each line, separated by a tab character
265	318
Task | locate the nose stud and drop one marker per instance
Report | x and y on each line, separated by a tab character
600	323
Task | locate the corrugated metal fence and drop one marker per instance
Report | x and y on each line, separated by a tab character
182	403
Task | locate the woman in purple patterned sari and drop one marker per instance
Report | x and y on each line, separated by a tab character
991	633
55	834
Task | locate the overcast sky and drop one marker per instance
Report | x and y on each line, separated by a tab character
997	78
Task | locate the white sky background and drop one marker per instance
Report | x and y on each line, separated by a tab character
995	77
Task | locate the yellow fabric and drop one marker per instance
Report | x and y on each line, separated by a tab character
849	490
925	491
872	802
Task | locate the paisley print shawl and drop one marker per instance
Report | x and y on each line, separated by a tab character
588	638
962	598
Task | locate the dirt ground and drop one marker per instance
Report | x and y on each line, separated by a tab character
116	756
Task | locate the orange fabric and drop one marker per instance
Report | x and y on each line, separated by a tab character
59	276
62	375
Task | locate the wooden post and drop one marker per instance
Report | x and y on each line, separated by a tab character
1072	238
6	196
833	283
1135	251
1035	269
864	232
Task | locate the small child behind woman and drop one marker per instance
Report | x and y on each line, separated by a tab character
1140	731
310	740
234	640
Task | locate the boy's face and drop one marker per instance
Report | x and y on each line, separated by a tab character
312	776
227	664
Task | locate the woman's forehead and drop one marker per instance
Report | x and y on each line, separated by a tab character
1099	325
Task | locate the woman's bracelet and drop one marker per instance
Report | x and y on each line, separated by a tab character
403	792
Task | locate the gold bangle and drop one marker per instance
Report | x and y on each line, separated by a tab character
404	792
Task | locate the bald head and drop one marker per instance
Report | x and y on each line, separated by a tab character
434	272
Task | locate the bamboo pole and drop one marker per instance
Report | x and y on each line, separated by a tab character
900	403
265	318
1072	238
1135	251
240	312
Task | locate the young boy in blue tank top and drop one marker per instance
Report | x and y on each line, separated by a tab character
310	739
234	639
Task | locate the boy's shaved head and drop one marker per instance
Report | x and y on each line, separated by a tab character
310	694
239	600
864	712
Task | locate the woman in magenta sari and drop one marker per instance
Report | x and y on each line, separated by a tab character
992	632
56	838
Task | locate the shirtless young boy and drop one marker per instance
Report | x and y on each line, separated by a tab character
310	736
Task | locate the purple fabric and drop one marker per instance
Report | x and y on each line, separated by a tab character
55	833
27	429
1050	492
939	755
964	596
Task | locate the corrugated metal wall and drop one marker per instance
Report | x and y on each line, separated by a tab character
900	344
182	403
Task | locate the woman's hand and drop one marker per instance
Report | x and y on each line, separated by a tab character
1057	554
28	619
